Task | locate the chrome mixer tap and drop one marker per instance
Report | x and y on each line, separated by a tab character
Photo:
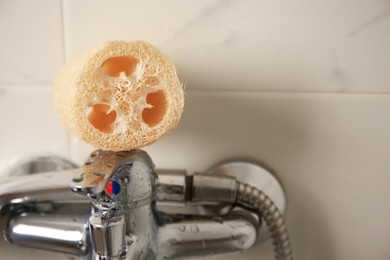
117	206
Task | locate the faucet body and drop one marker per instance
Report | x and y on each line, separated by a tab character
117	206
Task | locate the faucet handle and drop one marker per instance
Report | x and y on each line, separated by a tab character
93	176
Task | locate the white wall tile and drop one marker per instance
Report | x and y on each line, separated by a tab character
29	125
310	46
329	150
31	48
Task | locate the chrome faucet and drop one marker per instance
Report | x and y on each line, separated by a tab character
117	206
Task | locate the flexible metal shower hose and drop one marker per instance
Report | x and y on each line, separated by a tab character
256	199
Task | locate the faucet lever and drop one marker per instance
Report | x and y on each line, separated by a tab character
93	176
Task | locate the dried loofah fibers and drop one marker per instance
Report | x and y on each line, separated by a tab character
120	95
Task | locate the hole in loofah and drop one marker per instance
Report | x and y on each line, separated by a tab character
101	117
153	116
115	65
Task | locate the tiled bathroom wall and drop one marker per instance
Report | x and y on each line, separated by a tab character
303	87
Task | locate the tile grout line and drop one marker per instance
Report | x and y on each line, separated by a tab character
64	48
286	92
64	59
254	91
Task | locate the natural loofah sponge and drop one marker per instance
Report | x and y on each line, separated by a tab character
120	95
